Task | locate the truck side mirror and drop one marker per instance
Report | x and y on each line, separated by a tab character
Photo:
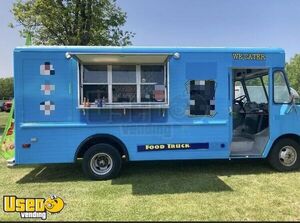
293	103
295	98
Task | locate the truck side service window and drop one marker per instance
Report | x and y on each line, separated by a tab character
152	83
281	91
202	97
124	83
95	82
127	83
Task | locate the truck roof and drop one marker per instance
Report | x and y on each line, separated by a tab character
147	49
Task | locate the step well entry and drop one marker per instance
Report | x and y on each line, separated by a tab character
250	115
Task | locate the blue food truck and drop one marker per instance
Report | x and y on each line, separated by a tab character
108	105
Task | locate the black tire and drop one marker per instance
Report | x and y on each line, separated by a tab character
103	156
288	149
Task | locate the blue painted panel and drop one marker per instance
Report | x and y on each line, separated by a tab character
59	144
38	88
206	70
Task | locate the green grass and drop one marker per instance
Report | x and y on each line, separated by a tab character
3	119
179	190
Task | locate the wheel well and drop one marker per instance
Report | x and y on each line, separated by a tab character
101	138
288	136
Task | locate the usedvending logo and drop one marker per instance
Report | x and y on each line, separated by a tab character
33	207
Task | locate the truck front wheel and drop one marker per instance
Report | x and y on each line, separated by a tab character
102	162
285	155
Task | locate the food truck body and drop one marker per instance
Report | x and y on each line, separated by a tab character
110	104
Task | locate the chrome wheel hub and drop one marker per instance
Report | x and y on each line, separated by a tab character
288	155
101	163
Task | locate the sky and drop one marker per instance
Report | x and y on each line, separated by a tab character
201	23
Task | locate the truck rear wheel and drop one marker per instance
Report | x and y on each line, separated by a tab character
285	155
102	162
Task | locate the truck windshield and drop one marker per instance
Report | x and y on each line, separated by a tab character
257	89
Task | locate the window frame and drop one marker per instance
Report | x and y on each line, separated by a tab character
287	85
138	84
262	85
111	84
95	83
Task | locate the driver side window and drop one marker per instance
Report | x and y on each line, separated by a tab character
281	91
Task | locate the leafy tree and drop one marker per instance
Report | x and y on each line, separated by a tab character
6	88
293	71
72	22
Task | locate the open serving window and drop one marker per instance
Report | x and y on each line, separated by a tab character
108	81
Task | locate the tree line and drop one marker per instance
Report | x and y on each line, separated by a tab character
6	88
71	22
293	71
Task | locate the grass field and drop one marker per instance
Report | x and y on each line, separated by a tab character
179	190
189	190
